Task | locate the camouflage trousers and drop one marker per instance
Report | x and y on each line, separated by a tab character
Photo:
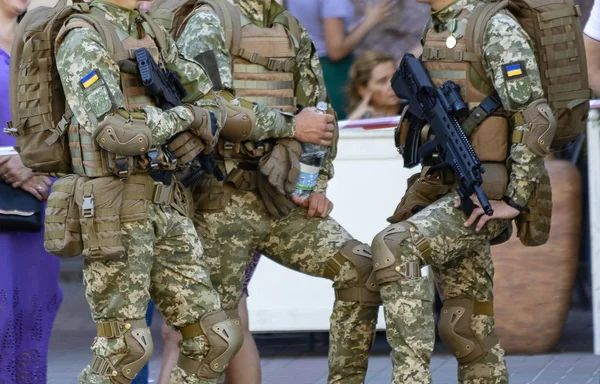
461	262
162	262
306	245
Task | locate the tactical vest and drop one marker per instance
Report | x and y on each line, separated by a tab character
88	159
490	138
263	61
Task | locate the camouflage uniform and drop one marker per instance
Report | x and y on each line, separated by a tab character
163	254
312	246
460	257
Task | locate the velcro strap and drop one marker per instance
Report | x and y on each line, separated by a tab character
114	329
430	53
358	294
558	39
191	330
517	136
55	219
101	366
422	244
551	15
333	266
410	270
485	308
518	119
55	203
563	71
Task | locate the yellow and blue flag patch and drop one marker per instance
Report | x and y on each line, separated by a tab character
514	70
89	79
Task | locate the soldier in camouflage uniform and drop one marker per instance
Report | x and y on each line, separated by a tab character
458	248
155	252
306	241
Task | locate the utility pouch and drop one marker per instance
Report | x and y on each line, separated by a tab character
212	195
99	202
62	231
495	180
533	224
183	200
421	192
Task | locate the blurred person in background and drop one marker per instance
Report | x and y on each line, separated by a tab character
328	23
370	92
29	292
592	47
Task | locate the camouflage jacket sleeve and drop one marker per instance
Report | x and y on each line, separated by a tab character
204	33
310	89
82	54
193	77
506	44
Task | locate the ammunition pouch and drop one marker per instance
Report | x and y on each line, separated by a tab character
138	341
62	230
533	224
224	338
495	180
421	192
99	202
540	121
123	137
456	331
358	255
212	195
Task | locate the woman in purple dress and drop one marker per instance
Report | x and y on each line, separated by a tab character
29	290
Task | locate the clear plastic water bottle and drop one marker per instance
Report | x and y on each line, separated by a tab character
311	162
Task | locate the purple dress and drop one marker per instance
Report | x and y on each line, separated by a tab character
29	292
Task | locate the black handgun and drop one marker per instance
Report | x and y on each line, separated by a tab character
441	108
164	85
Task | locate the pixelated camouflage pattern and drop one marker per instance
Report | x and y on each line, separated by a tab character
83	51
204	32
506	42
305	245
462	266
163	262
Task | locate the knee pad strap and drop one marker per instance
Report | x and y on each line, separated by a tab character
225	339
139	350
390	267
359	255
456	332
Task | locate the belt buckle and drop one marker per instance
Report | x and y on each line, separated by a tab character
87	208
163	194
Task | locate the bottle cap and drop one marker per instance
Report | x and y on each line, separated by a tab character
322	106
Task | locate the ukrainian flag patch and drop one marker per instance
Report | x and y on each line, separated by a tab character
514	70
89	79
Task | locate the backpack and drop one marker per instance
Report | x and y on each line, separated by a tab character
556	32
39	111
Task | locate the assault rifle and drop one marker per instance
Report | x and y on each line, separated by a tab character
441	108
164	85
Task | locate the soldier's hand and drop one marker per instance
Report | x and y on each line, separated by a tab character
14	172
501	211
315	128
317	203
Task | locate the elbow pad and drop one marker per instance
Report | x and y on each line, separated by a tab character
127	137
240	122
539	119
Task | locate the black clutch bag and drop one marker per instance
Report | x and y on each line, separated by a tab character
19	210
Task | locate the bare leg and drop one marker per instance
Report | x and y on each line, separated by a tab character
245	367
170	353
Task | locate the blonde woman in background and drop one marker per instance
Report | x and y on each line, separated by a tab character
370	93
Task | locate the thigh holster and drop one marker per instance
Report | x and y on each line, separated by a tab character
456	332
225	339
359	255
398	253
139	350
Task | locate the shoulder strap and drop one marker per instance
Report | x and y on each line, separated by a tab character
291	24
476	25
159	33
